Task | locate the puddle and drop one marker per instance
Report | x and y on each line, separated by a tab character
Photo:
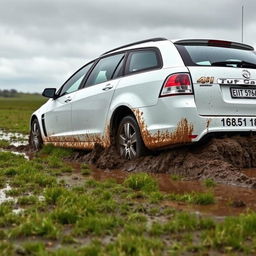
230	200
251	172
3	197
16	153
101	175
15	139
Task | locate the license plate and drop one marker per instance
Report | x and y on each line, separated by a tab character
238	122
243	93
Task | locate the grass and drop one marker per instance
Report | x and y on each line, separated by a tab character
209	183
194	198
141	181
106	211
100	218
15	112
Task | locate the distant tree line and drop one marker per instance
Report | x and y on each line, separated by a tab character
8	93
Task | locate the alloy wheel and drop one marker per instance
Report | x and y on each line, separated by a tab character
128	141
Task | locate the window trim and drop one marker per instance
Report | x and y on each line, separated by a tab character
128	60
84	82
125	72
89	71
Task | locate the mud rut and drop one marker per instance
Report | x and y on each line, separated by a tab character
220	159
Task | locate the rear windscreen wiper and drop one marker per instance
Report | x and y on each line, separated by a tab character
239	64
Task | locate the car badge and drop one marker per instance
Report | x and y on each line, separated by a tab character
246	74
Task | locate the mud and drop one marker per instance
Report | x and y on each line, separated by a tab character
182	134
221	159
229	200
226	160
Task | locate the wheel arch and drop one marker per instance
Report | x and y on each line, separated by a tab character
118	114
33	117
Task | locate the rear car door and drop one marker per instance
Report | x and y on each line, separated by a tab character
91	104
58	117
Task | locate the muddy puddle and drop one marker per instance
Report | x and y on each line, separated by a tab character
251	172
229	161
229	200
220	159
15	139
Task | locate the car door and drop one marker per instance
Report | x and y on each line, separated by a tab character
58	117
90	105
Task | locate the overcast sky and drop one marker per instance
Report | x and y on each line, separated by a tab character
42	42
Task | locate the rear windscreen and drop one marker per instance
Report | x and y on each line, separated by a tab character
203	55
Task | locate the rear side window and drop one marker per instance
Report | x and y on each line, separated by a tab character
143	60
104	69
202	55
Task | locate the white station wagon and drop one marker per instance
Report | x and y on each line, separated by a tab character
152	94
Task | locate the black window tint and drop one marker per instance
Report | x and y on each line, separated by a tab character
104	69
143	60
74	82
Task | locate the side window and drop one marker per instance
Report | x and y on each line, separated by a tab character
142	60
74	82
104	69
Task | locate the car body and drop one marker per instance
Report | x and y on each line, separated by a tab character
176	92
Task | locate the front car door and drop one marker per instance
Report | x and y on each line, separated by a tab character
91	104
58	117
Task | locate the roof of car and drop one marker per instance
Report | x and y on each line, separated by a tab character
155	39
209	42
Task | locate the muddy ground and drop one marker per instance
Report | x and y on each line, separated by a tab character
224	160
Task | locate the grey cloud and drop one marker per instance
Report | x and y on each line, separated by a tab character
67	33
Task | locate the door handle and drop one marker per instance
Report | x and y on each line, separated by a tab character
107	87
68	99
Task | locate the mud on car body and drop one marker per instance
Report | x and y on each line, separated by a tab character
152	94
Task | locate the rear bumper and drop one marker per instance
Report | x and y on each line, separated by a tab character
175	121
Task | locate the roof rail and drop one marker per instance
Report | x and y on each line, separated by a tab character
139	42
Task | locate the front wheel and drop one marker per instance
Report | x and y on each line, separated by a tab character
35	139
128	139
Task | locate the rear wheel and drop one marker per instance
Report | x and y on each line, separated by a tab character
128	139
35	138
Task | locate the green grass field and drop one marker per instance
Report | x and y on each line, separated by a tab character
15	112
56	208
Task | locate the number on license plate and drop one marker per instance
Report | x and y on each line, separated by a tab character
243	93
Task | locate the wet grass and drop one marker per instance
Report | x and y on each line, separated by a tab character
4	143
194	198
209	183
106	218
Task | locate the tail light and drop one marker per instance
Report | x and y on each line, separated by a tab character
177	84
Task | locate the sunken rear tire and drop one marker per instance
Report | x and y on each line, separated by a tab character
129	142
35	138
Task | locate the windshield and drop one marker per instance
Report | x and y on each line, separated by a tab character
202	55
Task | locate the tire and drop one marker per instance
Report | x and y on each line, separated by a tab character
128	139
35	138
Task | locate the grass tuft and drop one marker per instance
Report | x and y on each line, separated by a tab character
141	181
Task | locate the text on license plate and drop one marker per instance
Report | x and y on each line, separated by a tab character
238	122
243	93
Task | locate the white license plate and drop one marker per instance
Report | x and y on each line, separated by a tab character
243	93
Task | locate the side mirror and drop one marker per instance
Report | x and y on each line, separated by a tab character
49	93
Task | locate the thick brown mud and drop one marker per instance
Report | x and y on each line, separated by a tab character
221	159
226	160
